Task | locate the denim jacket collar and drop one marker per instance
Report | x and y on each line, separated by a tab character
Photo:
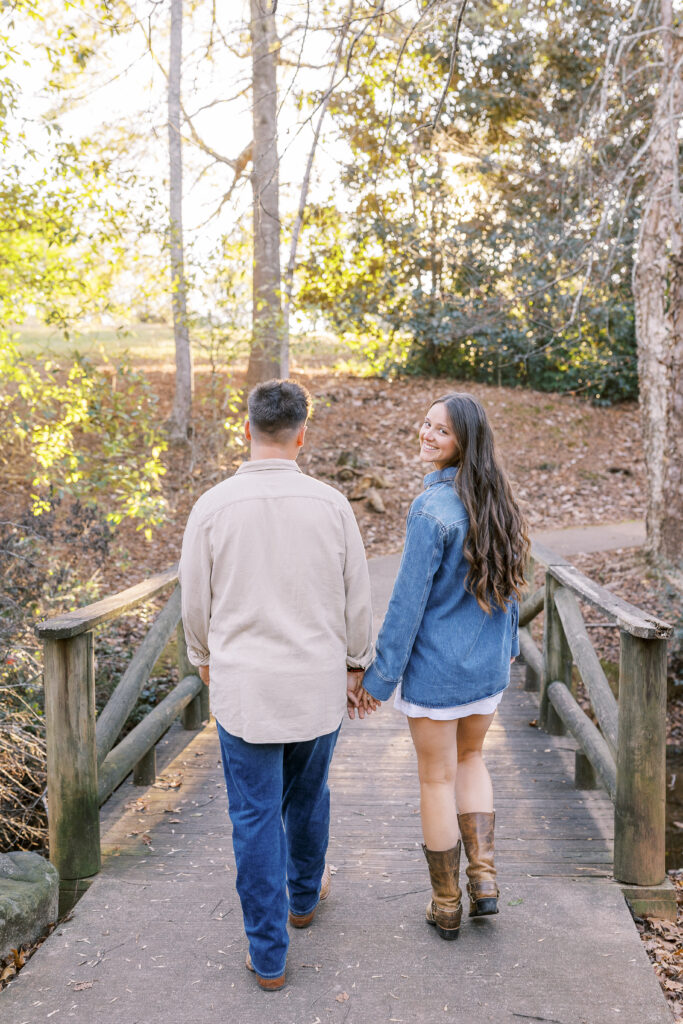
441	476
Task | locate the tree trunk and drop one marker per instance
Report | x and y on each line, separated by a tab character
181	416
658	295
267	321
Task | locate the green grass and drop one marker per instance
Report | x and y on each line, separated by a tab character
140	341
154	343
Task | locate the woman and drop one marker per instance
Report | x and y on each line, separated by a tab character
448	638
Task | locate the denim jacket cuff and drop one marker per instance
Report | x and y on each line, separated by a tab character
376	685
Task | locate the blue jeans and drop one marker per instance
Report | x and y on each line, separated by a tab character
279	804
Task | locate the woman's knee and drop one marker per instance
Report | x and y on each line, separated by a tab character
469	754
436	771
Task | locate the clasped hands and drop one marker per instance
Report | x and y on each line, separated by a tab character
357	697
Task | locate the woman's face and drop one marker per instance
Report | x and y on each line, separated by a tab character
437	440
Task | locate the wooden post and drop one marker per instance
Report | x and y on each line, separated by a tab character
145	771
73	807
639	809
584	772
557	659
198	710
532	681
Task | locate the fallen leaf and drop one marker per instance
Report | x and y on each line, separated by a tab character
342	997
81	985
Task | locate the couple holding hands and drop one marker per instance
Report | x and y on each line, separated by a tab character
277	617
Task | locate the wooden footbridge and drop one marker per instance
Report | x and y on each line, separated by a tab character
158	936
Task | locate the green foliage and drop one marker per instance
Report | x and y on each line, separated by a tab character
487	243
89	433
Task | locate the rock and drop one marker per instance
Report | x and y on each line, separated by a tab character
374	501
346	473
29	897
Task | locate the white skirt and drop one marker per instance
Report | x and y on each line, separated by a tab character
476	707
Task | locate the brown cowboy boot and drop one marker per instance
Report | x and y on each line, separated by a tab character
444	909
476	830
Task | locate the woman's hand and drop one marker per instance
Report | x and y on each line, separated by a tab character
357	697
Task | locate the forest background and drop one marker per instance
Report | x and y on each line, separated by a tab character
387	198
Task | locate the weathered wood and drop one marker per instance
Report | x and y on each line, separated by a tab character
629	618
587	735
652	900
531	606
82	619
145	771
557	659
533	659
130	750
584	772
122	701
639	815
69	674
588	664
198	710
192	714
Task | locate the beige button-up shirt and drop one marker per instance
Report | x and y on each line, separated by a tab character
276	600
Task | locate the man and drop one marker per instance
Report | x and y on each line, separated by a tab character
277	615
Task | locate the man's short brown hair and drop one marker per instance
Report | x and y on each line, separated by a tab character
278	407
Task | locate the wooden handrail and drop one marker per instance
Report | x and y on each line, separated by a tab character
113	717
70	624
588	664
629	618
586	735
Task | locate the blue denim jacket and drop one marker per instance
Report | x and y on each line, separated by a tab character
436	642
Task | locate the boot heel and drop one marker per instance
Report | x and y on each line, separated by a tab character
447	933
482	908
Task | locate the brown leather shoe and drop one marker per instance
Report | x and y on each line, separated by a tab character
267	984
444	910
476	830
304	920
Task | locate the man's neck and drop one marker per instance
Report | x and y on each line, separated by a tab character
265	451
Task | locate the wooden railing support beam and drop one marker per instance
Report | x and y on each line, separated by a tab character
639	811
198	710
557	659
533	659
588	664
145	771
73	805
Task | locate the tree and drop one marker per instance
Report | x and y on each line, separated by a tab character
267	323
181	416
658	294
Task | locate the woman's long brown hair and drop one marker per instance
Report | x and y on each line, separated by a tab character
497	542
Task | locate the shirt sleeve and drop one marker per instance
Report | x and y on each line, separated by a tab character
422	557
194	574
358	600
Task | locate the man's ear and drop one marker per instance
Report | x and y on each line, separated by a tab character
300	436
247	430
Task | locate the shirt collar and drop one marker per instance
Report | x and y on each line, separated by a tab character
266	464
441	476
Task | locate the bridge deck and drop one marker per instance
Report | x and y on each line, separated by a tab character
158	938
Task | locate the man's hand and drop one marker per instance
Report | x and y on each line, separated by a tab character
357	698
204	674
354	683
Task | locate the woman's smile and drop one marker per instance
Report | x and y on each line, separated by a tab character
437	440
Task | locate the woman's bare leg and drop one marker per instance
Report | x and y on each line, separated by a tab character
473	789
437	763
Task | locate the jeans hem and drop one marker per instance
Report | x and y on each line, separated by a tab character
278	974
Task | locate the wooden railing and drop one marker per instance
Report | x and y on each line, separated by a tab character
84	762
625	752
